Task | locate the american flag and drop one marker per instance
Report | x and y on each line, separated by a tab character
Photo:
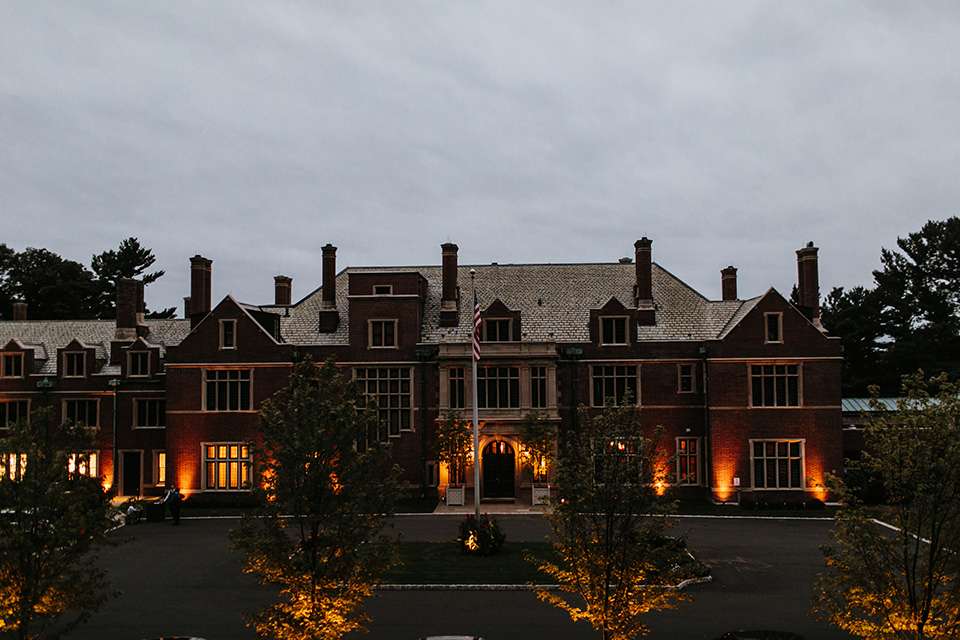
476	328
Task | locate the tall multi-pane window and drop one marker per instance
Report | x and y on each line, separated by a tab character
613	381
498	387
538	387
160	468
688	461
383	334
496	330
13	465
228	334
74	364
777	464
774	327
138	364
686	379
84	464
457	388
150	413
82	412
12	365
227	466
228	390
775	385
13	410
613	331
390	388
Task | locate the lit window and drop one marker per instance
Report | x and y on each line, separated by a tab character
12	411
777	464
498	387
150	413
12	466
457	388
497	330
390	388
12	365
227	466
138	364
614	382
688	461
613	331
84	464
383	334
228	334
85	413
774	327
686	378
74	365
775	385
538	387
160	468
228	390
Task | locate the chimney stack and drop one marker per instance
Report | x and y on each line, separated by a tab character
808	283
449	305
728	283
200	278
329	317
283	288
643	290
130	310
19	311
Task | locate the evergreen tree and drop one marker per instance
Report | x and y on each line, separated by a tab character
319	528
130	260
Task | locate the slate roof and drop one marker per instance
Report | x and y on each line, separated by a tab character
554	301
46	336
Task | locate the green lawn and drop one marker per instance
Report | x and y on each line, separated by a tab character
442	563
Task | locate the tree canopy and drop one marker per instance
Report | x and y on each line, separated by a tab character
130	260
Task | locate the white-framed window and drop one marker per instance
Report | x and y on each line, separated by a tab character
775	385
159	468
773	327
538	387
228	334
688	461
228	390
227	466
613	381
383	334
75	364
12	365
149	413
686	376
777	464
613	330
82	412
138	364
498	387
458	387
13	410
497	329
390	388
84	464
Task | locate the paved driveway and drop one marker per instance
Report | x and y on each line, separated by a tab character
183	581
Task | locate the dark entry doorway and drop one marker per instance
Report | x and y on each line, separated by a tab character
498	470
130	485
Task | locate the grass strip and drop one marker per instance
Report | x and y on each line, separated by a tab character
442	563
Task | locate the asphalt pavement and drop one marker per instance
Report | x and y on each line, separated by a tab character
184	581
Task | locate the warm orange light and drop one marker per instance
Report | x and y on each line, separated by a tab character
660	487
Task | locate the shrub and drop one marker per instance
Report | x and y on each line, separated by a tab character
814	503
480	537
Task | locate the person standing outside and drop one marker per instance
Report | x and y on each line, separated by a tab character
173	498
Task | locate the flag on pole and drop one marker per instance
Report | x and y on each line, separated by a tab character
476	327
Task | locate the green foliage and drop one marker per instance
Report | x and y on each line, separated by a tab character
130	260
454	444
539	439
902	583
319	530
52	524
609	525
480	536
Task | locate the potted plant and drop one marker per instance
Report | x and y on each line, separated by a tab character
453	448
539	444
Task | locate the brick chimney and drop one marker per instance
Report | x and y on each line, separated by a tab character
283	289
19	311
130	309
200	278
450	299
808	283
329	316
643	290
728	283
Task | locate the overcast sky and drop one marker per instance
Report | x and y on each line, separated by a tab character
254	132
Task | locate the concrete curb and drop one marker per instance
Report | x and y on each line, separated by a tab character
506	587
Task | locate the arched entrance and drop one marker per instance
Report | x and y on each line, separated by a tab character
498	470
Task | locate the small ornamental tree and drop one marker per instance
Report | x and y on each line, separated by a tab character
55	518
323	502
454	445
539	439
904	582
609	524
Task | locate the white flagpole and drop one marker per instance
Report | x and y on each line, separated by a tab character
476	401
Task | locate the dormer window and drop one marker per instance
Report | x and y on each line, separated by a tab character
383	289
773	323
228	334
12	365
75	364
497	330
613	330
138	364
383	334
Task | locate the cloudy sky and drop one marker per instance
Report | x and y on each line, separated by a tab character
254	133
